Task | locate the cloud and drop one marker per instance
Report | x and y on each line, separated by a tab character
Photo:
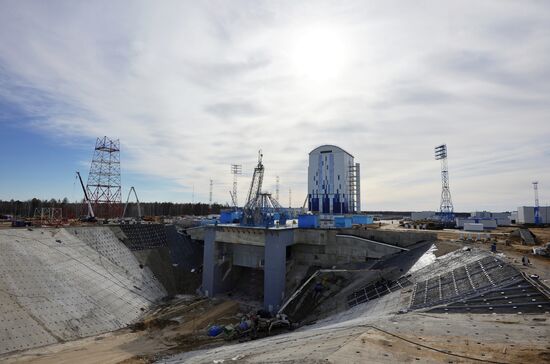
190	88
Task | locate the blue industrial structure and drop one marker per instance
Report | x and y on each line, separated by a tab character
362	219
308	221
230	217
342	221
446	212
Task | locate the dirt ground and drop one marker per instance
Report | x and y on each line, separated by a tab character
175	327
444	247
542	235
434	339
511	248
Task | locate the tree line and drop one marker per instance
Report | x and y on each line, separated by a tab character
71	210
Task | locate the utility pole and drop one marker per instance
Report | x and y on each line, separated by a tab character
210	195
289	198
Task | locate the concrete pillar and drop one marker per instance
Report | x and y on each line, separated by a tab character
276	242
209	262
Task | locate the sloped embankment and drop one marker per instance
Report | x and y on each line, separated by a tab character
62	284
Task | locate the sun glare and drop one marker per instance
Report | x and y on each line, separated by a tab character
318	53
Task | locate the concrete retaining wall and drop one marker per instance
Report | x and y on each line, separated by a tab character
169	255
63	284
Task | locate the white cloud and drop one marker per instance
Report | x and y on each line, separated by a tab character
191	87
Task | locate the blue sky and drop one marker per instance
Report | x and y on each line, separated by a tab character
190	88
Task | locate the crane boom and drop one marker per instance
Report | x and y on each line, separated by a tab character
256	185
90	210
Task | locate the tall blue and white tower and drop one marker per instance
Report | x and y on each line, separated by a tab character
446	206
333	181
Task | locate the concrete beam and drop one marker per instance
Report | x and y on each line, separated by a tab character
368	248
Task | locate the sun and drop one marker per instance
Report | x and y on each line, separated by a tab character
318	53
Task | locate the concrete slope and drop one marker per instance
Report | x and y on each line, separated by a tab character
62	284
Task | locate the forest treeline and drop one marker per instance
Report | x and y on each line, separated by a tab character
76	209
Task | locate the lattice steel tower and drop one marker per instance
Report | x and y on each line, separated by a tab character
537	207
210	194
104	183
446	206
236	169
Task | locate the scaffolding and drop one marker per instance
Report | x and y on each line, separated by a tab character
352	187
48	215
104	182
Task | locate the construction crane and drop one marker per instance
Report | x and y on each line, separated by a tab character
128	199
91	216
261	209
256	185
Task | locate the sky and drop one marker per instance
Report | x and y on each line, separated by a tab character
192	87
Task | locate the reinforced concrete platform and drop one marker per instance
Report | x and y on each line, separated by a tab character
274	251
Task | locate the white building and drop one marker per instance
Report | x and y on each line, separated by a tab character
471	226
424	215
526	215
481	214
333	181
502	218
487	223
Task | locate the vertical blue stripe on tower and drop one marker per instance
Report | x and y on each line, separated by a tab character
336	204
321	181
